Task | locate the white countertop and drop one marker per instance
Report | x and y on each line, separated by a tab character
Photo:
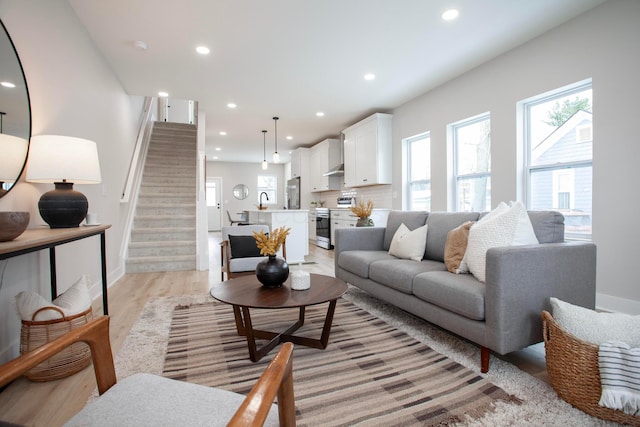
276	210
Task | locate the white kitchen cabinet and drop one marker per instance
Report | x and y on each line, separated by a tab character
367	151
324	156
341	218
312	227
296	220
344	218
299	159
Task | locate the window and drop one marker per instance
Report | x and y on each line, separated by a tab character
269	185
472	164
419	172
558	129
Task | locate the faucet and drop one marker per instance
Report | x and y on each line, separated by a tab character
265	195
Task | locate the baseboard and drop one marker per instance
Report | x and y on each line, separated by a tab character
617	304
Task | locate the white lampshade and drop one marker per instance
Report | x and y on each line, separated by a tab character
13	152
56	158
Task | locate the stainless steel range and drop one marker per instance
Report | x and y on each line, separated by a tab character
323	228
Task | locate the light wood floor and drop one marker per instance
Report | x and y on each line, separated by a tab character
53	403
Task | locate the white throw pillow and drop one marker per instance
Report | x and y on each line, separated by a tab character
524	231
497	228
73	301
596	328
409	244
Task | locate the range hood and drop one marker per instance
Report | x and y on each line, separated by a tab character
339	169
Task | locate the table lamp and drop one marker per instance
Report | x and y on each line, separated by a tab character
13	152
63	161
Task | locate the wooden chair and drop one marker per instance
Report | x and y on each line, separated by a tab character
139	400
238	254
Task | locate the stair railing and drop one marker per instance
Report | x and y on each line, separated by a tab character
134	175
139	151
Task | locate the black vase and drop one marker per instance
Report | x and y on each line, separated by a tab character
272	272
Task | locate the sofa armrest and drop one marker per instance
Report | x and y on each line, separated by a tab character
520	280
358	238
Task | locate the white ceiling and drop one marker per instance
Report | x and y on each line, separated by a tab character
293	58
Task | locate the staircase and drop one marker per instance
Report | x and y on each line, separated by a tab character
163	236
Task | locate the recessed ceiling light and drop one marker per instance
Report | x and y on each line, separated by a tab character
223	133
215	157
320	114
450	15
202	50
289	137
7	84
369	76
218	148
163	94
231	105
139	44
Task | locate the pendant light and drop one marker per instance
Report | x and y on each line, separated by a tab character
264	150
276	156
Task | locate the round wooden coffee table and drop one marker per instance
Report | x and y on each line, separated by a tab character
246	292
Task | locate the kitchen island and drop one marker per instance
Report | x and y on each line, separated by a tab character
296	219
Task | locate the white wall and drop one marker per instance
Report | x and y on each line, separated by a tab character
73	92
601	44
244	173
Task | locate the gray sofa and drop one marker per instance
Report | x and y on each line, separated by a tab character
501	315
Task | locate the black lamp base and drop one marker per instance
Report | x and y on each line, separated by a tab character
63	207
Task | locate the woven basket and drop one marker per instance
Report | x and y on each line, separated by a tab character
74	358
572	366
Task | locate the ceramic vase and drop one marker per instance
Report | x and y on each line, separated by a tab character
272	272
364	222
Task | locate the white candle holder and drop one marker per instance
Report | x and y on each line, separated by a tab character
300	279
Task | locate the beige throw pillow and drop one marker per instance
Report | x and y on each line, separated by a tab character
456	246
73	301
409	244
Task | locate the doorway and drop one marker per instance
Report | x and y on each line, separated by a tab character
214	201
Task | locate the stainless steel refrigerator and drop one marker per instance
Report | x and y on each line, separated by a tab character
293	193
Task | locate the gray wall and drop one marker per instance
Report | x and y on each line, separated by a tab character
245	173
73	92
601	44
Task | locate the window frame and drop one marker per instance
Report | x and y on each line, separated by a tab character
408	170
458	178
524	107
272	192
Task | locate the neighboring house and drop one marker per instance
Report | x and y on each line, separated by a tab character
566	189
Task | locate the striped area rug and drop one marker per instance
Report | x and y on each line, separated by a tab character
370	374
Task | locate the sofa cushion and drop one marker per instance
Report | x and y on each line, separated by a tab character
412	219
239	265
548	226
167	403
461	294
409	244
399	273
358	262
456	246
244	246
440	223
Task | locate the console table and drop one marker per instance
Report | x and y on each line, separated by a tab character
36	239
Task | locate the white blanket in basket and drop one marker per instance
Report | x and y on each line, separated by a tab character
620	377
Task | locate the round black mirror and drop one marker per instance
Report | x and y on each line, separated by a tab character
15	114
